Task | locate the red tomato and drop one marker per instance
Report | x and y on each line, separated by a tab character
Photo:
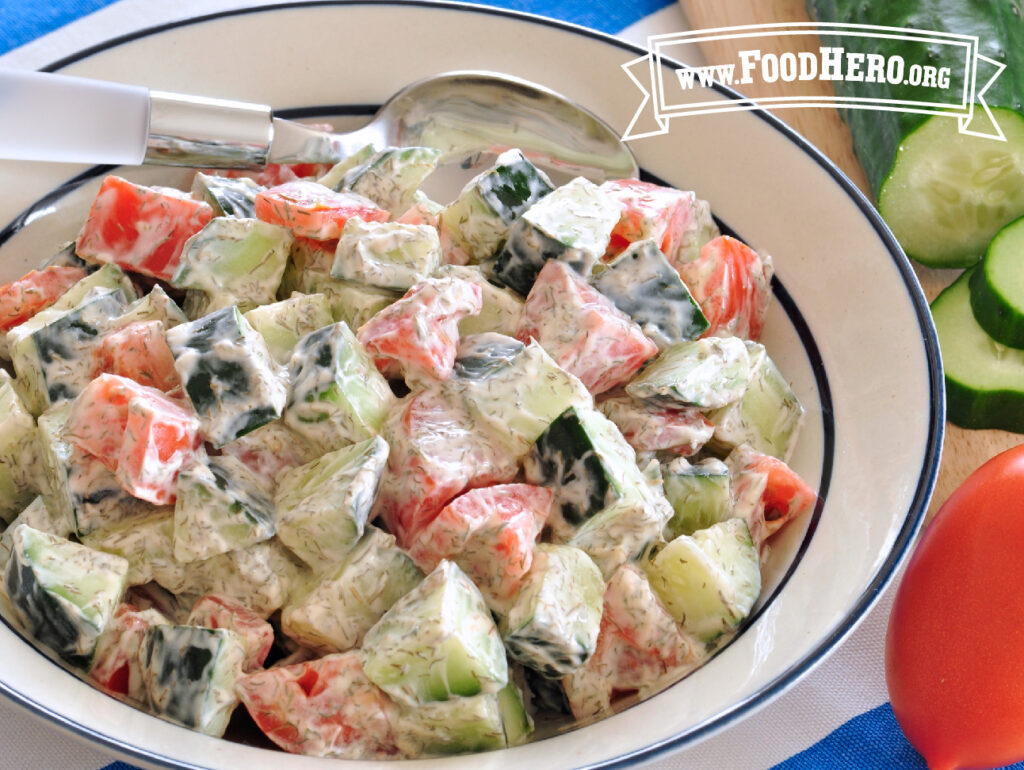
139	351
36	290
216	611
956	632
732	284
582	330
420	332
314	211
648	211
142	229
322	708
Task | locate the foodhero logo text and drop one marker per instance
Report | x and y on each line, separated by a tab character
830	63
934	73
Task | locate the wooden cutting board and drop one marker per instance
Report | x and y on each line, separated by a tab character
962	450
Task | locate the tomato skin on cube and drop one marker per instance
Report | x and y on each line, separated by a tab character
324	708
490	533
582	330
437	451
35	291
135	431
311	210
142	229
783	496
140	352
216	611
732	284
115	665
420	332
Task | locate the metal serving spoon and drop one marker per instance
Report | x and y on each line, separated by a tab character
464	114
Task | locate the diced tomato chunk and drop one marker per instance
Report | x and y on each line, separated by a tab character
115	664
582	330
309	209
649	211
732	284
215	611
786	495
142	229
322	708
489	533
436	453
420	332
140	352
35	291
135	431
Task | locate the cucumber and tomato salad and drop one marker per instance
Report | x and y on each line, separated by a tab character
430	519
944	194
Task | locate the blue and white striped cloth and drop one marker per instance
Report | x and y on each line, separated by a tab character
836	717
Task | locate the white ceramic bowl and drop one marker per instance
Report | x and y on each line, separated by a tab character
849	327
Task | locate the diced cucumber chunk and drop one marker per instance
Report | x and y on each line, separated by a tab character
62	592
38	516
337	395
624	530
501	307
478	221
514	392
708	581
229	375
145	540
336	609
514	716
353	303
767	416
700	494
227	196
221	506
391	176
108	276
323	506
437	642
643	285
190	673
52	351
260	576
553	624
282	324
574	223
335	176
707	373
234	262
456	726
583	458
388	255
19	452
154	306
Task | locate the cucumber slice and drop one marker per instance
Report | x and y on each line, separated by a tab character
553	624
997	287
710	581
437	642
984	379
62	592
948	193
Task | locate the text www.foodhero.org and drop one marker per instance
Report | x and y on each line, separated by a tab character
830	63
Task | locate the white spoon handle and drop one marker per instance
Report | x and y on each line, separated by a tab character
76	120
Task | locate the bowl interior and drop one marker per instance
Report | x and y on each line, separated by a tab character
848	327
